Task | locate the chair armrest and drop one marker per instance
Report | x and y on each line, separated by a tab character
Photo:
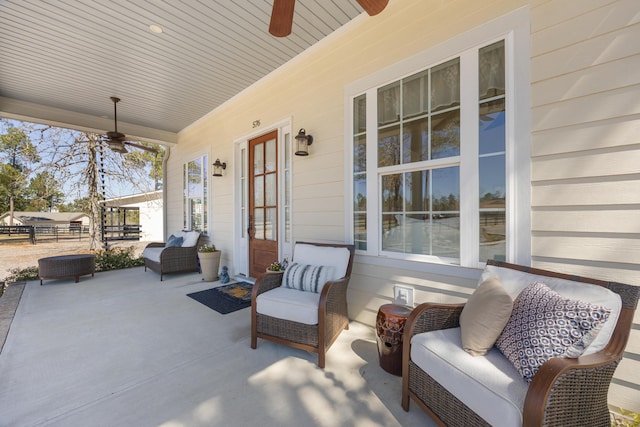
177	251
265	283
431	317
155	245
332	290
559	383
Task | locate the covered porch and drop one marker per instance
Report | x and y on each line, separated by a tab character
124	349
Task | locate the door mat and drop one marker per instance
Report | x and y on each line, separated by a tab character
225	299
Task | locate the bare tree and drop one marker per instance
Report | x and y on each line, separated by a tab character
85	165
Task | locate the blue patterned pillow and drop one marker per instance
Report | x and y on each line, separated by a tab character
544	325
174	241
308	278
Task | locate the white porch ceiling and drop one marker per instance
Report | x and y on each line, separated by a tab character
61	60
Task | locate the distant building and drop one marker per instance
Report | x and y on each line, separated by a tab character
149	206
46	219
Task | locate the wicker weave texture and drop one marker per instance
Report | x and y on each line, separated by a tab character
562	394
174	259
333	315
58	267
443	404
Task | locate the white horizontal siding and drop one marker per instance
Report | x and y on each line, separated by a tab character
586	151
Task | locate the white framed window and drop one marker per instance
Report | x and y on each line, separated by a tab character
195	190
439	153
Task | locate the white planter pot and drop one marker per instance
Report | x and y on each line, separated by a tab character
210	265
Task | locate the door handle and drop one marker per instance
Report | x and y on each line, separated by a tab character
250	227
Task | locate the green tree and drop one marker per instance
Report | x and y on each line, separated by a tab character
19	154
44	192
84	165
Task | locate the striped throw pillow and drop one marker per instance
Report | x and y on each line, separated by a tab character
308	278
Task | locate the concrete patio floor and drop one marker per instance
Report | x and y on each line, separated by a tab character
124	349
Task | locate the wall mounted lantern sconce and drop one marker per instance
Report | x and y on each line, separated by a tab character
303	141
218	167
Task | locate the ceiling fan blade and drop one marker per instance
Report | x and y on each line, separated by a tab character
281	17
142	147
373	7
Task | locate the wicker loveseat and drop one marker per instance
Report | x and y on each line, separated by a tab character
457	389
164	258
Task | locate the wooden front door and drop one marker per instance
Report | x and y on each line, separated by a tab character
263	203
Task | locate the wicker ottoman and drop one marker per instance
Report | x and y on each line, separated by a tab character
59	267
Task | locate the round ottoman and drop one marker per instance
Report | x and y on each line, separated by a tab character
59	267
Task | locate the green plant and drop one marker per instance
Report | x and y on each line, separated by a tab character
207	248
624	418
278	266
18	275
117	258
22	274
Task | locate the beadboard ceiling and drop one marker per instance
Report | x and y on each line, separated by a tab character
61	60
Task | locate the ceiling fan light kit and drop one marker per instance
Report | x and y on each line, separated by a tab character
116	140
282	14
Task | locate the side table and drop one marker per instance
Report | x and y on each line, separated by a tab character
389	329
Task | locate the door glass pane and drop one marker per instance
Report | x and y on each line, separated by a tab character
258	159
287	196
445	135
270	224
445	85
287	149
258	223
415	141
270	160
258	190
287	224
270	190
389	146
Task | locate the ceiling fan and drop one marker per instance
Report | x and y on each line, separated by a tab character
282	14
117	140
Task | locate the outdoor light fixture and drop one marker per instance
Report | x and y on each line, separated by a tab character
303	141
218	167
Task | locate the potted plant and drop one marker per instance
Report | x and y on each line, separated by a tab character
209	259
278	266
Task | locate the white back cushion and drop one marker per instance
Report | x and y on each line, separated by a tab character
515	281
190	238
338	258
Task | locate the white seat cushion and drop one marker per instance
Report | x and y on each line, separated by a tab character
152	254
289	304
338	258
489	385
515	281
